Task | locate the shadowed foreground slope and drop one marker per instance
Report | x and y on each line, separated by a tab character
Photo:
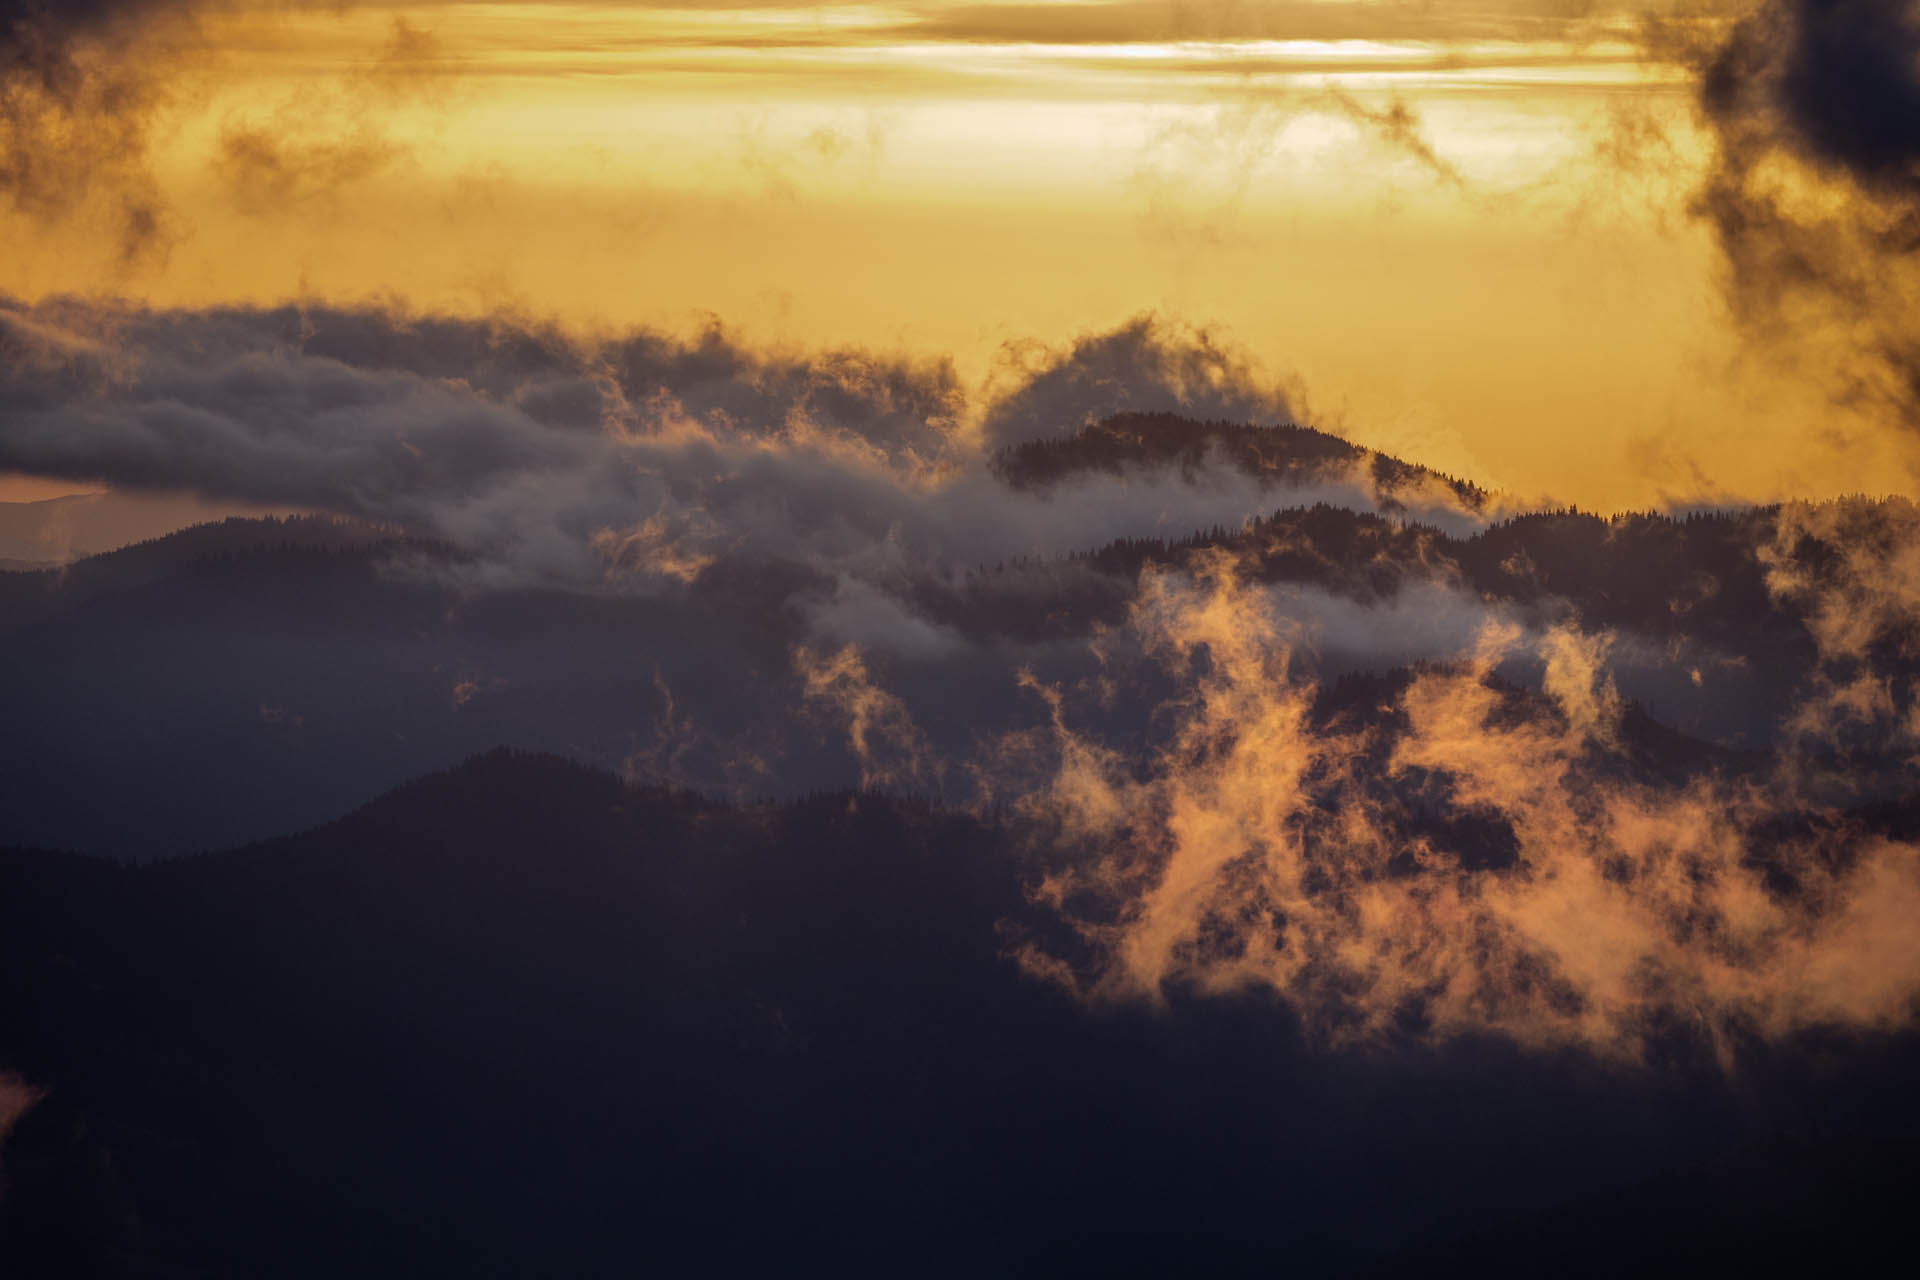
522	1018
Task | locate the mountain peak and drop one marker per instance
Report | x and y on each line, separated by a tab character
1286	455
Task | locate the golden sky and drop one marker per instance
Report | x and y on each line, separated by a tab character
1515	241
1461	230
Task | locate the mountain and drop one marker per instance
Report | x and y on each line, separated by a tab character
1783	1206
521	1017
1698	575
234	680
34	594
60	530
1286	456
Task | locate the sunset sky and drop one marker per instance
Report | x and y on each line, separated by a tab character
1095	637
1463	232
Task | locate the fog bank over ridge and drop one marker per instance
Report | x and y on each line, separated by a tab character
562	459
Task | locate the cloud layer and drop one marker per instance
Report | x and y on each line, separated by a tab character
551	458
1570	898
1814	193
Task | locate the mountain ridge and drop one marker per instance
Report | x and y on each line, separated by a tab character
619	1022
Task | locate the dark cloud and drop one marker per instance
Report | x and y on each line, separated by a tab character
40	36
78	89
1397	126
559	458
1837	81
1814	106
1146	365
324	138
901	405
639	462
82	88
264	170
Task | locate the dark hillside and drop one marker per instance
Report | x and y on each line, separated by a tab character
1287	455
523	1018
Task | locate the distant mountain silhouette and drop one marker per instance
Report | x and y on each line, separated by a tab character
35	594
1281	455
1656	574
236	679
60	530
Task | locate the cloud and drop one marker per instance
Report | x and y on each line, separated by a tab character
1196	172
84	87
1439	853
1460	860
892	751
1422	621
1837	82
1397	127
1130	21
15	1097
1852	570
1145	365
79	86
325	137
627	459
860	613
269	168
1814	190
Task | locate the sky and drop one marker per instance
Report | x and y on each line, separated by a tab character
1483	236
783	335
